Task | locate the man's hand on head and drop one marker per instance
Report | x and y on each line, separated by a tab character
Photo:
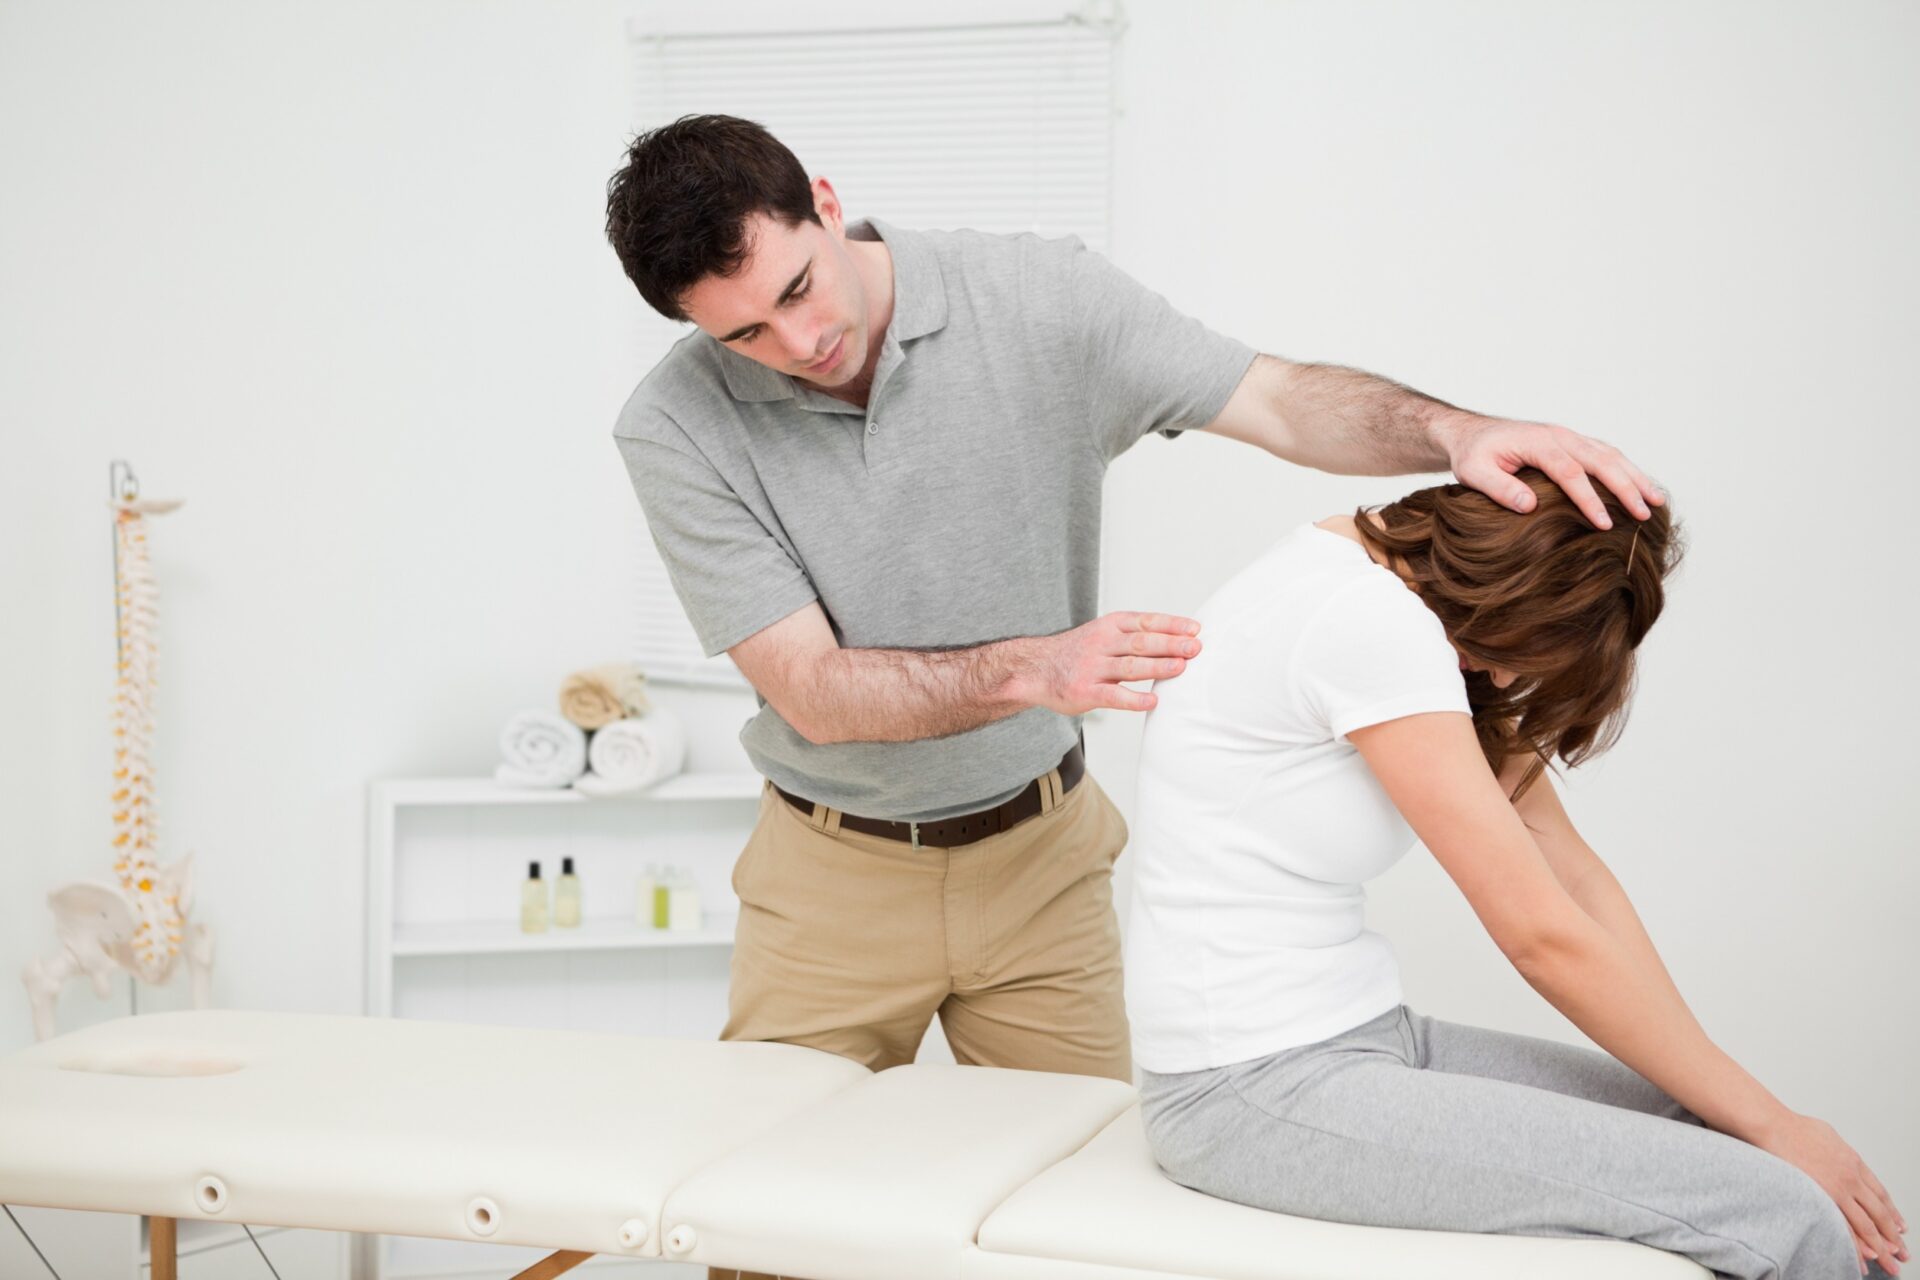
1485	453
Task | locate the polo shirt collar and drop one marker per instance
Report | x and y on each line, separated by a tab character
919	308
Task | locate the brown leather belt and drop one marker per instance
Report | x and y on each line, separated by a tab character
961	828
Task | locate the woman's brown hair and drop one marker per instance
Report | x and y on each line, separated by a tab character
1544	594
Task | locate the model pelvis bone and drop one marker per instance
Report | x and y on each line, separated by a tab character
101	926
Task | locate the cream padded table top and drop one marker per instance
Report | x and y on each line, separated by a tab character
1110	1203
389	1125
762	1156
891	1179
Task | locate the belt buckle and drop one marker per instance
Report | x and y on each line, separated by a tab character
913	829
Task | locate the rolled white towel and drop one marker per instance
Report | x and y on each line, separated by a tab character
541	749
635	753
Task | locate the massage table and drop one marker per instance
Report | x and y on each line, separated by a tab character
767	1157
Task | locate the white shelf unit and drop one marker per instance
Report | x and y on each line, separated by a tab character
446	857
445	862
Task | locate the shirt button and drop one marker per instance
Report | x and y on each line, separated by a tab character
873	428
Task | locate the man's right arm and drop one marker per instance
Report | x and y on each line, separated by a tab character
831	694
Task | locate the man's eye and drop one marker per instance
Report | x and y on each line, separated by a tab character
795	296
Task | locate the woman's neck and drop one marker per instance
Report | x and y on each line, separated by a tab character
1346	527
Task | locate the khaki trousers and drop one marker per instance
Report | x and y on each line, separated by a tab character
851	943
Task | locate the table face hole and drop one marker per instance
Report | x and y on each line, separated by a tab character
154	1062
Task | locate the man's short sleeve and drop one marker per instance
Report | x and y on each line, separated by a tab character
732	575
1374	653
1143	365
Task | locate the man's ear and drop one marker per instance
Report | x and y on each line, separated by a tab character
826	203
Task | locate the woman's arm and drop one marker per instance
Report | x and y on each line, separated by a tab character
1587	879
1612	987
1432	768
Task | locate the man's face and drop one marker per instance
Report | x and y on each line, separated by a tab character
796	301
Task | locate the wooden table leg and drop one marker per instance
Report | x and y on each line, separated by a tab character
162	1261
552	1265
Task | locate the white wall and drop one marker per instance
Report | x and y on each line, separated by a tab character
336	277
1686	229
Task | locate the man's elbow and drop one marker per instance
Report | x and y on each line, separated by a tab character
818	737
790	682
799	706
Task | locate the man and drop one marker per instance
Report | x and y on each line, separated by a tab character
874	475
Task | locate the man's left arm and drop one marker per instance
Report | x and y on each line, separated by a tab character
1351	422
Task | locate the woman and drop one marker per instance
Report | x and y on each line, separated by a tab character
1408	672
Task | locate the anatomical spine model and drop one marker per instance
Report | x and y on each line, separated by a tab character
138	921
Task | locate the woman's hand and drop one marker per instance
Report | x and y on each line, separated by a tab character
1813	1147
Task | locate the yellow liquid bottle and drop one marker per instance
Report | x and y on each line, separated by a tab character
662	899
643	897
533	901
566	897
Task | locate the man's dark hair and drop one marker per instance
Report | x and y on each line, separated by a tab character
677	210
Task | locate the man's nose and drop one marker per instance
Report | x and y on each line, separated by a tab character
798	339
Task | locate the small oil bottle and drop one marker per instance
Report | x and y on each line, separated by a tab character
683	901
662	895
566	897
643	896
533	901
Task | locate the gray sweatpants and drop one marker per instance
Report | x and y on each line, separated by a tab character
1408	1121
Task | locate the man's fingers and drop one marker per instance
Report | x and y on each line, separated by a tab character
1156	633
1616	477
1628	482
1649	488
1166	622
1567	472
1497	484
1135	666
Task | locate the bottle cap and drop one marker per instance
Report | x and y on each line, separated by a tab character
533	871
566	866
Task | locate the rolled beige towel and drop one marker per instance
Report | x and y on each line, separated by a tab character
600	695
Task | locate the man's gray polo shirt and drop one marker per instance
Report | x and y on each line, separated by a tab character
961	506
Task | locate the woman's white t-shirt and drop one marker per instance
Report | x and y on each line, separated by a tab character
1257	821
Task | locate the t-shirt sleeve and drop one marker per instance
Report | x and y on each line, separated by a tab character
732	575
1143	365
1374	653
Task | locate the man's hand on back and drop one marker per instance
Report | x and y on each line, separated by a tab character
1075	671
